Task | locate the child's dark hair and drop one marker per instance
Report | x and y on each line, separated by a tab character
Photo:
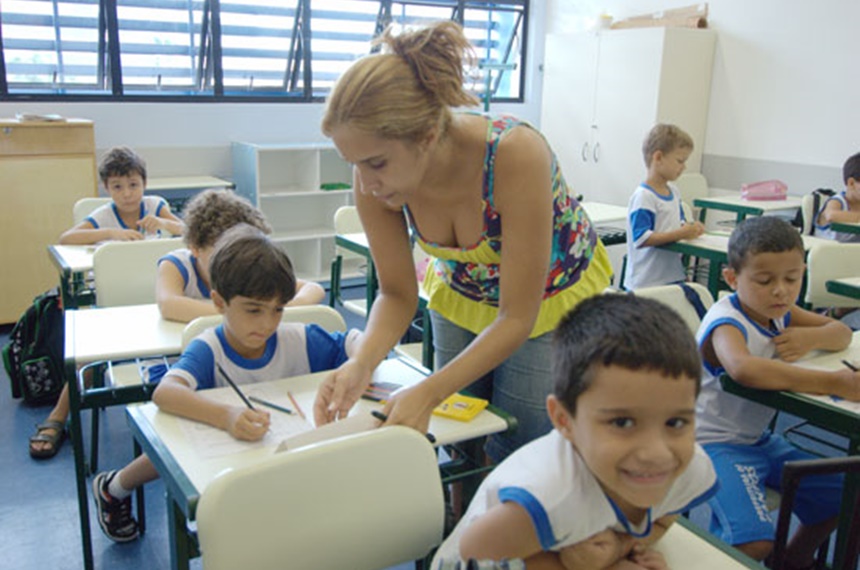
121	161
247	263
763	234
620	330
212	212
851	168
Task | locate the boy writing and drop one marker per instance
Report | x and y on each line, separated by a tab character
654	214
130	215
622	461
752	335
844	207
252	281
182	288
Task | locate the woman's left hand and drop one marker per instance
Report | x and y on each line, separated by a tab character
411	407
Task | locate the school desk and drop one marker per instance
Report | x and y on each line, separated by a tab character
847	287
714	247
186	472
834	415
112	333
685	545
743	208
609	221
845	227
74	262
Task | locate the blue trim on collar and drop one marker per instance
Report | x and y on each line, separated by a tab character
736	303
622	518
201	285
662	197
241	361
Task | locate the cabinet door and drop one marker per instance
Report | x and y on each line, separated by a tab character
567	108
628	78
38	195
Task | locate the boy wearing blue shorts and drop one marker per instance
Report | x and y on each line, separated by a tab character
252	281
753	335
622	461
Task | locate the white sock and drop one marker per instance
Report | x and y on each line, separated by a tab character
115	488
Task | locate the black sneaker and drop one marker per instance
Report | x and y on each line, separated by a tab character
114	514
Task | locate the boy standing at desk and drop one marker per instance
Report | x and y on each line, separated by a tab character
252	281
130	215
182	288
622	461
752	335
654	214
844	207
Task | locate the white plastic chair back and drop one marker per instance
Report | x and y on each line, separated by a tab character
366	501
807	215
125	271
673	296
85	206
321	315
692	185
826	261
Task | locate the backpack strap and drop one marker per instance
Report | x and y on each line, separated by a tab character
694	299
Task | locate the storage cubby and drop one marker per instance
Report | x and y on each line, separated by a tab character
286	182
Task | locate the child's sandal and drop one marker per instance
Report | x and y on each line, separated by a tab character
54	439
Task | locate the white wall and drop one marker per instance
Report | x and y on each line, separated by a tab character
785	84
178	139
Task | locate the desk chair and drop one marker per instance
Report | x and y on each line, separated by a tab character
364	502
692	185
126	271
827	261
691	301
85	206
346	221
792	473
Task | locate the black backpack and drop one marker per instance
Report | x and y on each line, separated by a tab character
819	196
34	356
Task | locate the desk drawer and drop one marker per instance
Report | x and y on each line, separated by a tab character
25	139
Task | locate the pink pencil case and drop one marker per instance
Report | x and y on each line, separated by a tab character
764	190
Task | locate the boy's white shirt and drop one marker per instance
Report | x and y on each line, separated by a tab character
105	216
550	479
826	231
651	266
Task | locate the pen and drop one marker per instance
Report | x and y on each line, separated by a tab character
236	388
850	366
383	418
296	405
270	405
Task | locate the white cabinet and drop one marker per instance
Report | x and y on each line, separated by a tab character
603	91
287	182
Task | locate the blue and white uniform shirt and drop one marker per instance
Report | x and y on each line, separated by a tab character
566	503
826	232
188	266
107	216
649	212
724	417
293	350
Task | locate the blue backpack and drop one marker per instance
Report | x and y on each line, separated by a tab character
33	358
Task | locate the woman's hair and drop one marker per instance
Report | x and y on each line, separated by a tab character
212	212
409	89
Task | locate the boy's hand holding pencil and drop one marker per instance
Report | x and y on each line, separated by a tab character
246	424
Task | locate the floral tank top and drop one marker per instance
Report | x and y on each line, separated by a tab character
463	283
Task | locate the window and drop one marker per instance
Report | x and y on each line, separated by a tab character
231	49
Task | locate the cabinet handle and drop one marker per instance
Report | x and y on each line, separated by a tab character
584	152
596	153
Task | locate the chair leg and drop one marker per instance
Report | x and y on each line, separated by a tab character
141	504
334	280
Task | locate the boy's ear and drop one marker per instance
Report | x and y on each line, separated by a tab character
731	277
219	301
559	416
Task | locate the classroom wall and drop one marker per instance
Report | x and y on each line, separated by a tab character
784	92
182	139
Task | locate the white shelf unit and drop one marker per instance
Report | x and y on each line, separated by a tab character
284	181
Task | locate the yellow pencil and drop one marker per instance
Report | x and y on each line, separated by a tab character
296	405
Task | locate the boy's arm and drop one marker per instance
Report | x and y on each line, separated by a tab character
689	230
730	350
165	220
833	212
85	234
810	331
170	296
307	293
175	396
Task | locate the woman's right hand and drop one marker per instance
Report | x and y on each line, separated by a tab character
340	391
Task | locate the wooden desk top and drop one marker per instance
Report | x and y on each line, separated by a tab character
600	213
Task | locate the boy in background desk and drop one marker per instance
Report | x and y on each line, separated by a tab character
252	281
752	335
182	288
844	207
655	215
622	461
130	215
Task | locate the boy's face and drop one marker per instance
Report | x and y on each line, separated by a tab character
126	192
671	165
768	284
248	323
852	190
635	430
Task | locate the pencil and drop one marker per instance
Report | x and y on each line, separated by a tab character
236	388
296	405
851	366
270	405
